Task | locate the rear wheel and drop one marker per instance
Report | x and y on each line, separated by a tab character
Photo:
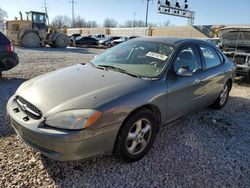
30	40
109	45
136	136
222	99
62	41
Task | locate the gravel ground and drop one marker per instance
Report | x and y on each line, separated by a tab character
205	149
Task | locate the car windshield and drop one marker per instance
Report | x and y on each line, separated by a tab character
139	58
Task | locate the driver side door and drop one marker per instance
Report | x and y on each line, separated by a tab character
185	92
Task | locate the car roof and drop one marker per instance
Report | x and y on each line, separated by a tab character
174	41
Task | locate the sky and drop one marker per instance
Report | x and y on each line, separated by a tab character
207	12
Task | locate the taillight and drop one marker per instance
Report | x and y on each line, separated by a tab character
10	47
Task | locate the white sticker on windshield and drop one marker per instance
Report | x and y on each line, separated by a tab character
157	56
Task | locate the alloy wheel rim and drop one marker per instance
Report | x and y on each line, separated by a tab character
139	136
223	95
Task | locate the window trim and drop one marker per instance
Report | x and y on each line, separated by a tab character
203	58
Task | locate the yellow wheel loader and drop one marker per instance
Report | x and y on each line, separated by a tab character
34	32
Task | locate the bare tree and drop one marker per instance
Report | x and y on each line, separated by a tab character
61	21
166	23
140	23
136	23
91	24
109	22
129	23
3	15
80	22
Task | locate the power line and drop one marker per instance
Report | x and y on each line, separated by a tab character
73	2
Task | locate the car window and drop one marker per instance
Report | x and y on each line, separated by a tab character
211	58
141	58
188	58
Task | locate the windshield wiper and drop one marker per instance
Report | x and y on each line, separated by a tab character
119	70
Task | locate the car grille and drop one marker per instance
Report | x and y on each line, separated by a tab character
28	108
240	60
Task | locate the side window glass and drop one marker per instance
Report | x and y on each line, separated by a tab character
211	58
187	58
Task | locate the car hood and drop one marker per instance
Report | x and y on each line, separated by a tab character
77	87
235	36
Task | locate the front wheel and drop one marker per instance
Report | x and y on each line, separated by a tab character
62	41
109	45
222	99
136	136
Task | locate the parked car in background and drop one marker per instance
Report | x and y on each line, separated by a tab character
74	36
108	41
8	57
132	37
120	40
86	41
236	45
119	101
215	41
99	36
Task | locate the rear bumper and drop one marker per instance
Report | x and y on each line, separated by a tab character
8	61
59	144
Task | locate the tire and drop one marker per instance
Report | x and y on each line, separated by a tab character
222	99
136	136
62	41
30	40
109	45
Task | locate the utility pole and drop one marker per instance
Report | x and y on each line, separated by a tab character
134	13
73	2
147	13
45	8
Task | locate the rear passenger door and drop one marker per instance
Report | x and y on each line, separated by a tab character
214	77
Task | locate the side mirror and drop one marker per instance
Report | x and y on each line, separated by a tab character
184	72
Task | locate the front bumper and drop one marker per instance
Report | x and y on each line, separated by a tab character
59	144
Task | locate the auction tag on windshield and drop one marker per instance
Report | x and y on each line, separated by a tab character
157	56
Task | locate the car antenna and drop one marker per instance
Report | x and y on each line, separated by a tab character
236	45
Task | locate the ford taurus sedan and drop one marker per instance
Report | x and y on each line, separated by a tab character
118	102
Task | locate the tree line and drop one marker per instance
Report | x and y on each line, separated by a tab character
61	20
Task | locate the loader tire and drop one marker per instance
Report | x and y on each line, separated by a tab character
62	41
30	40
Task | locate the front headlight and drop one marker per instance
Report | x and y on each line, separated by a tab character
74	119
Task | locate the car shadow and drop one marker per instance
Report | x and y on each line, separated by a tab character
64	50
8	87
185	153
